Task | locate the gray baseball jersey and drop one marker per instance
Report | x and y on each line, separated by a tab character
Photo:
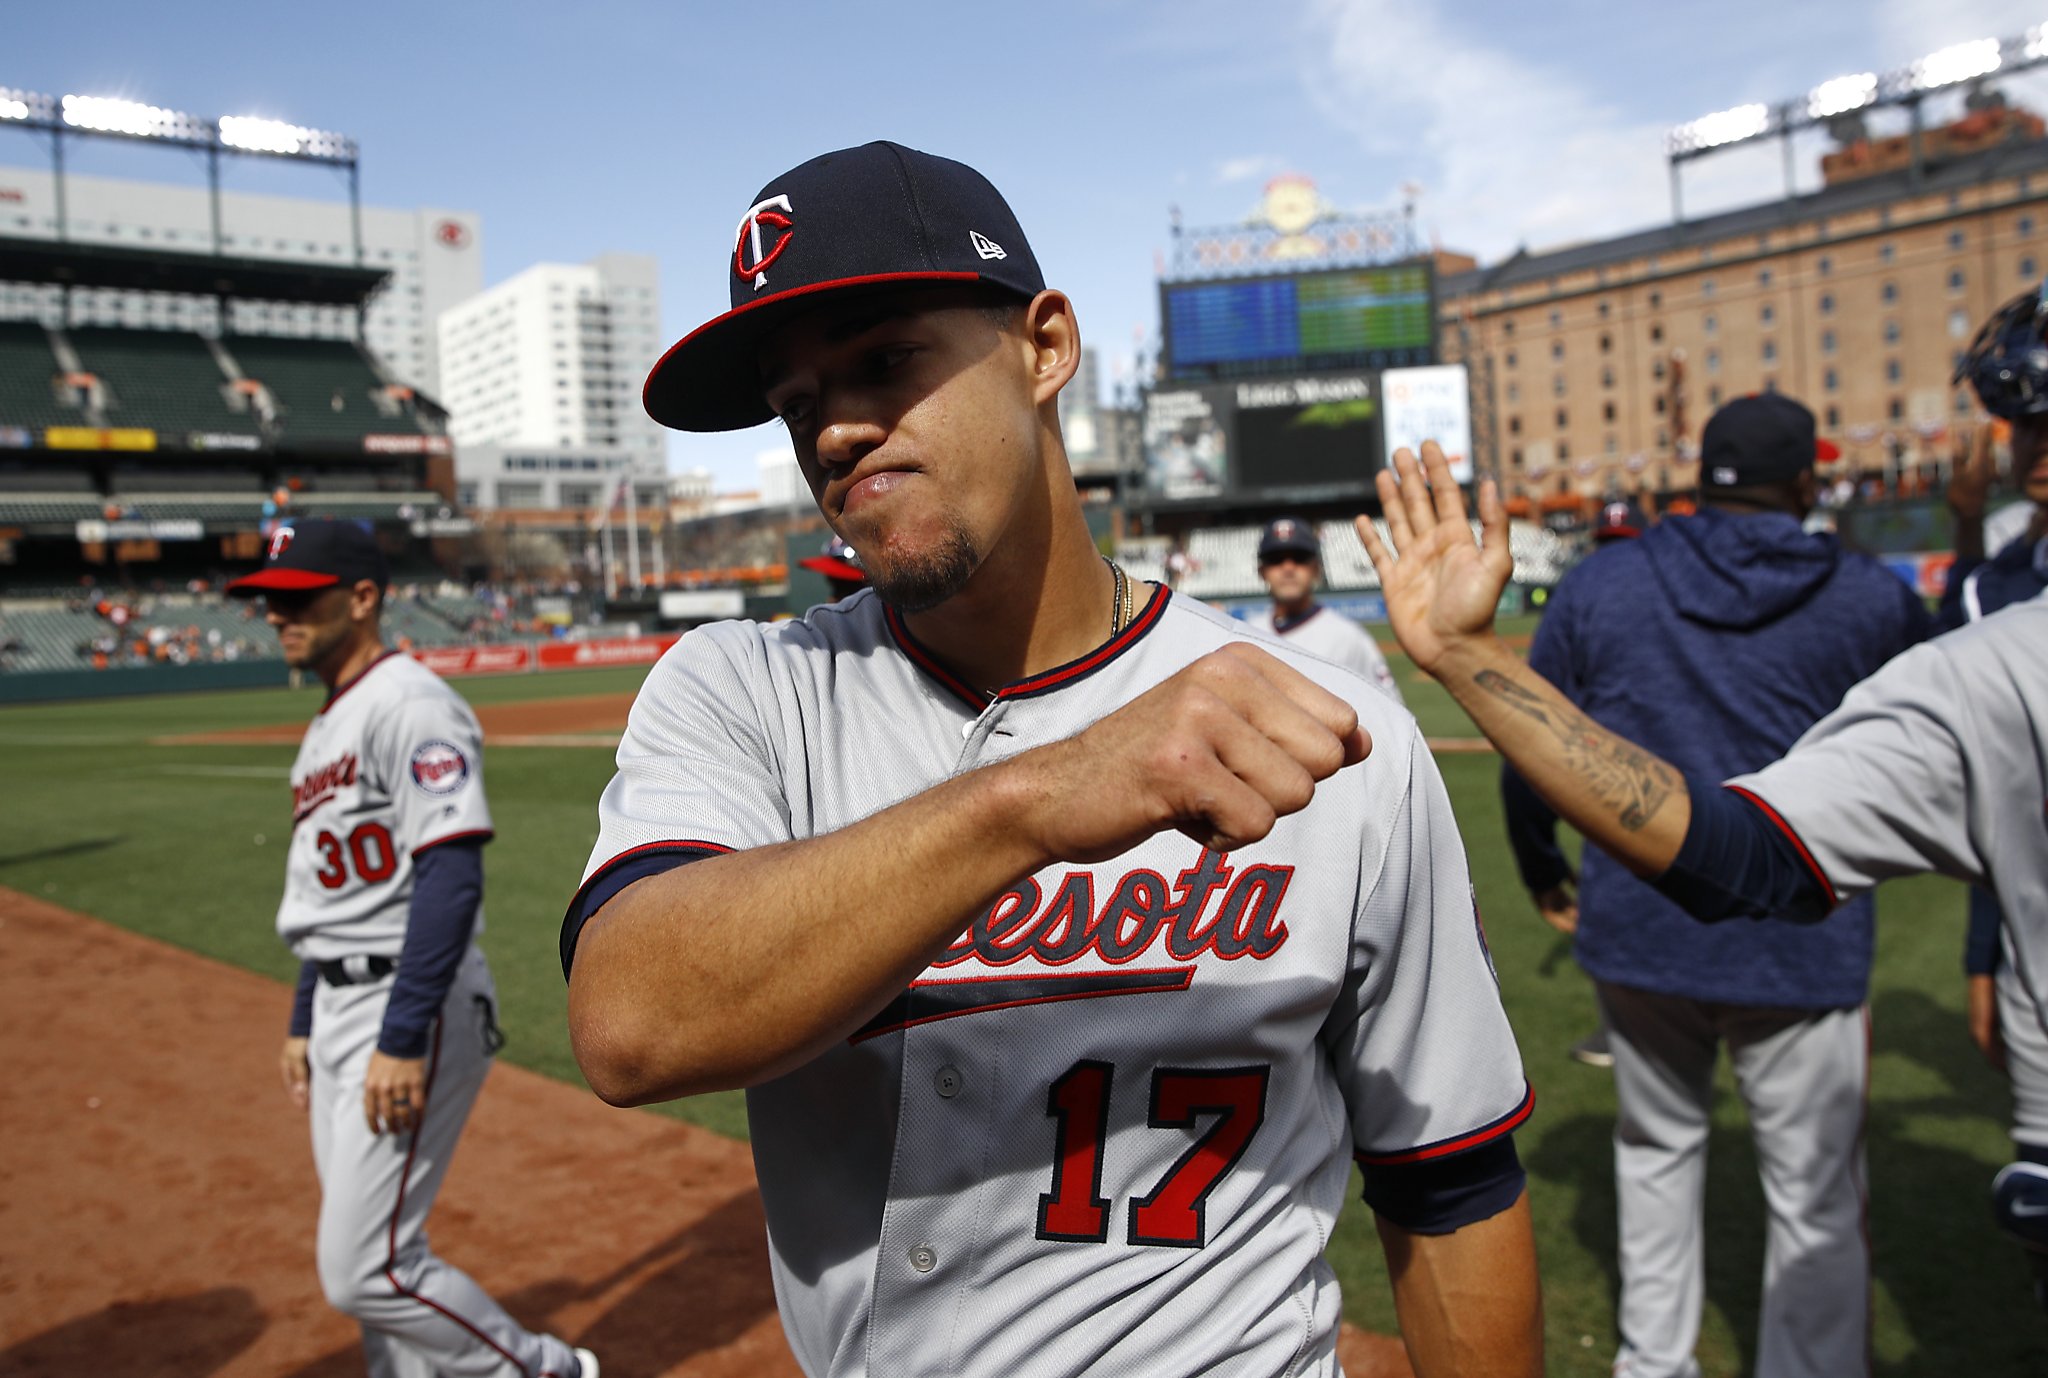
392	765
1334	637
1111	1128
1938	762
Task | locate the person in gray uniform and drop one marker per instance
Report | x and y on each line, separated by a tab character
1066	952
1937	762
1291	564
1715	640
392	1028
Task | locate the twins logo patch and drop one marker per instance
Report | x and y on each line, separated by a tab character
439	768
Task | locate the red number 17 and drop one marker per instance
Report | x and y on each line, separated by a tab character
1172	1213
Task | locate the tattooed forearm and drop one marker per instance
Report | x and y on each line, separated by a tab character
1620	774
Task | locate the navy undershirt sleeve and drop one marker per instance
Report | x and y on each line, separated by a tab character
447	888
607	880
1980	949
1736	862
302	1000
1440	1195
1532	834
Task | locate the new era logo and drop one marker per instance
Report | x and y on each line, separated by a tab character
985	246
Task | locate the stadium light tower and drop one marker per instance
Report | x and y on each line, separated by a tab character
1845	98
112	117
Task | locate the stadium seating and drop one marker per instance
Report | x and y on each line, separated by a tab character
25	509
166	380
27	370
48	638
323	388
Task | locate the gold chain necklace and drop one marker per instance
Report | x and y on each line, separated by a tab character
1121	610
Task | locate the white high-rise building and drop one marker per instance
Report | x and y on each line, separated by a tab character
552	360
435	258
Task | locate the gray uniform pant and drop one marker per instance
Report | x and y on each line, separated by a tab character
2020	1025
1802	1076
419	1316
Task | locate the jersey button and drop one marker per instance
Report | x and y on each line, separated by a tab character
923	1258
949	1081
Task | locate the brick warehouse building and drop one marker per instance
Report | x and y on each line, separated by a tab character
1594	366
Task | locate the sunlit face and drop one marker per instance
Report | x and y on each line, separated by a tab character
311	624
913	421
2030	456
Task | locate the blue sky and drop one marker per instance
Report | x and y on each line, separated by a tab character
645	127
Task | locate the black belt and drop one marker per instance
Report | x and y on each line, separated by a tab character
338	973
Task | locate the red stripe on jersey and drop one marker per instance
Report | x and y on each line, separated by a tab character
473	835
1147	618
1827	887
1444	1148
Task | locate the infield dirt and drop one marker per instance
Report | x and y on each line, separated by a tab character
157	1197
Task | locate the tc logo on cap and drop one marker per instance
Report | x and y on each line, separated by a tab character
759	214
280	541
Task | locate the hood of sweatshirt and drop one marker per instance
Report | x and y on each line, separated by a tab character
1724	569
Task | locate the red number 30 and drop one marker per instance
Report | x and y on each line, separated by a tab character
1172	1213
369	847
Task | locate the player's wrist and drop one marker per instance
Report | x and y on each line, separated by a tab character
1464	655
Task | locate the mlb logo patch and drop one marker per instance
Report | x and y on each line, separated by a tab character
439	768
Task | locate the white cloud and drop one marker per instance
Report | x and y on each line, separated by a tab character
1510	152
1244	169
1507	151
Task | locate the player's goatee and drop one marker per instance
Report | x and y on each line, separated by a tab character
921	582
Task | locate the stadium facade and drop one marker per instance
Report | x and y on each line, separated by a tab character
1594	366
434	257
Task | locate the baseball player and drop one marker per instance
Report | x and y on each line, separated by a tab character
392	1029
1291	564
1716	640
1067	955
1938	762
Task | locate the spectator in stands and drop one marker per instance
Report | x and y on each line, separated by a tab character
1716	640
1291	565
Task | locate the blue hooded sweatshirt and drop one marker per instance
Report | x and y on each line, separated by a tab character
1714	640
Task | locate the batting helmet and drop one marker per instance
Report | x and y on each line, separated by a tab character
2008	361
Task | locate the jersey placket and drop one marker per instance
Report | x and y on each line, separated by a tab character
931	1241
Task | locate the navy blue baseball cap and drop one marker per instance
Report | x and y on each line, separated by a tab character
2007	364
1765	437
870	219
315	553
1289	536
837	560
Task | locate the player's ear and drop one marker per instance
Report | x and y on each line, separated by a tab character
365	601
1055	338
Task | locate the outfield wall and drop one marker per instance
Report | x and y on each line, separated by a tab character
452	662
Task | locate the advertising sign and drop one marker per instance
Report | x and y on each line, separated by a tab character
1187	442
99	438
1299	435
622	650
476	660
1432	403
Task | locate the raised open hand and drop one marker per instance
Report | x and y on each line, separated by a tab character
1440	587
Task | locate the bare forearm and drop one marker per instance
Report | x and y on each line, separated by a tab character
1628	801
735	969
1469	1302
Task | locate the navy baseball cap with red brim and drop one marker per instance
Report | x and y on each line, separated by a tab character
867	220
315	553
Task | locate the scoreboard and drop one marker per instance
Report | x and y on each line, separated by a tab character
1338	318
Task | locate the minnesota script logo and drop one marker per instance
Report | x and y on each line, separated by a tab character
322	785
1211	908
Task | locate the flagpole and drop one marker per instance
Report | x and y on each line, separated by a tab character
632	531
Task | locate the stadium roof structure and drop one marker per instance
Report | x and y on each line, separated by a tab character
69	264
1866	193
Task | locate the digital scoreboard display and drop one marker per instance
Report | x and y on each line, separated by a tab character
1334	319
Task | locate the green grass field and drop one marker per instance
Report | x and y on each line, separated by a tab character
183	844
